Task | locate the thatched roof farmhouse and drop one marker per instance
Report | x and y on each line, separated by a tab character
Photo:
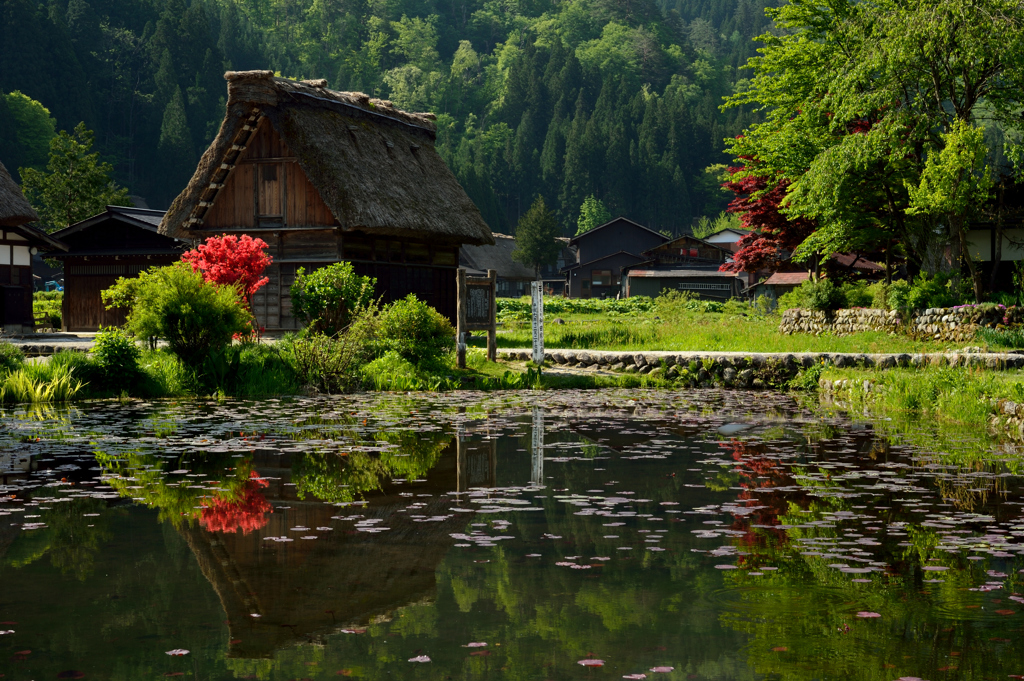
324	176
19	241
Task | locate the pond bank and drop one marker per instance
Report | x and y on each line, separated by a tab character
744	369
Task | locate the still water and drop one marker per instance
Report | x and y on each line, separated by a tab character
591	535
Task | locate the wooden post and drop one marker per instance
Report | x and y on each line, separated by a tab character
460	316
492	332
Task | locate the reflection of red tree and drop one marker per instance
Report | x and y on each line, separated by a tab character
247	512
762	473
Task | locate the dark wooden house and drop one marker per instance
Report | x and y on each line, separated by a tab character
602	253
684	264
18	243
325	176
119	242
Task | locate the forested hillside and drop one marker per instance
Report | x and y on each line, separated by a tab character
615	98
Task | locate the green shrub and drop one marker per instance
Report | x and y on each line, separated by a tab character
117	356
195	317
331	364
391	371
414	330
824	295
11	357
898	295
326	298
938	291
858	294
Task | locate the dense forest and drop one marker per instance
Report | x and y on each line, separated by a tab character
565	99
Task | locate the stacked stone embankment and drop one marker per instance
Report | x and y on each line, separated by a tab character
840	322
751	370
938	323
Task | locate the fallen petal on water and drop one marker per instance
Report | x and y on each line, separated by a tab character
419	658
866	614
591	663
177	652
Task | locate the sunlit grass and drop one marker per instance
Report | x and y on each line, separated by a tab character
699	332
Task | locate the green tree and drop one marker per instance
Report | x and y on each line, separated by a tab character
76	184
536	243
955	182
31	129
860	95
592	214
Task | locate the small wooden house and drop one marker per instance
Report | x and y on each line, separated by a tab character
325	176
684	264
18	243
603	252
119	242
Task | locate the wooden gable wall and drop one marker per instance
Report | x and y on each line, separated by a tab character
688	248
267	190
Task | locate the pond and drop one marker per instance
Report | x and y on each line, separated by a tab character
573	535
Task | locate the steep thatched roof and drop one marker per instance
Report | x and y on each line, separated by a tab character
374	166
14	208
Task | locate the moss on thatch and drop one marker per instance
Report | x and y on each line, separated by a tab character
374	166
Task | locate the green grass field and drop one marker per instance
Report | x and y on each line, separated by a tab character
673	327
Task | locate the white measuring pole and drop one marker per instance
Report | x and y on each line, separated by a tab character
537	295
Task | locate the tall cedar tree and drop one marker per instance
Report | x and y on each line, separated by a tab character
536	242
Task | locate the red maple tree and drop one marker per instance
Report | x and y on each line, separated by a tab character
233	261
247	512
773	236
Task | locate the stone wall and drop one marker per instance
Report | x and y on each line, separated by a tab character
938	323
840	322
954	323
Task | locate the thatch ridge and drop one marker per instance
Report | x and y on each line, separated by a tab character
374	166
14	207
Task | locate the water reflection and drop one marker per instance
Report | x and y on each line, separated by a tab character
724	535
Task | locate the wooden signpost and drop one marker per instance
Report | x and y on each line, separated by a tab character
477	311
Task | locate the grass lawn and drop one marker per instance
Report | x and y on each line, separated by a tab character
733	330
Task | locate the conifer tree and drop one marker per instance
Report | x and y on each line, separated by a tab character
536	245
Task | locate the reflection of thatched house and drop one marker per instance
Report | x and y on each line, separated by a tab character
324	176
18	243
307	588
